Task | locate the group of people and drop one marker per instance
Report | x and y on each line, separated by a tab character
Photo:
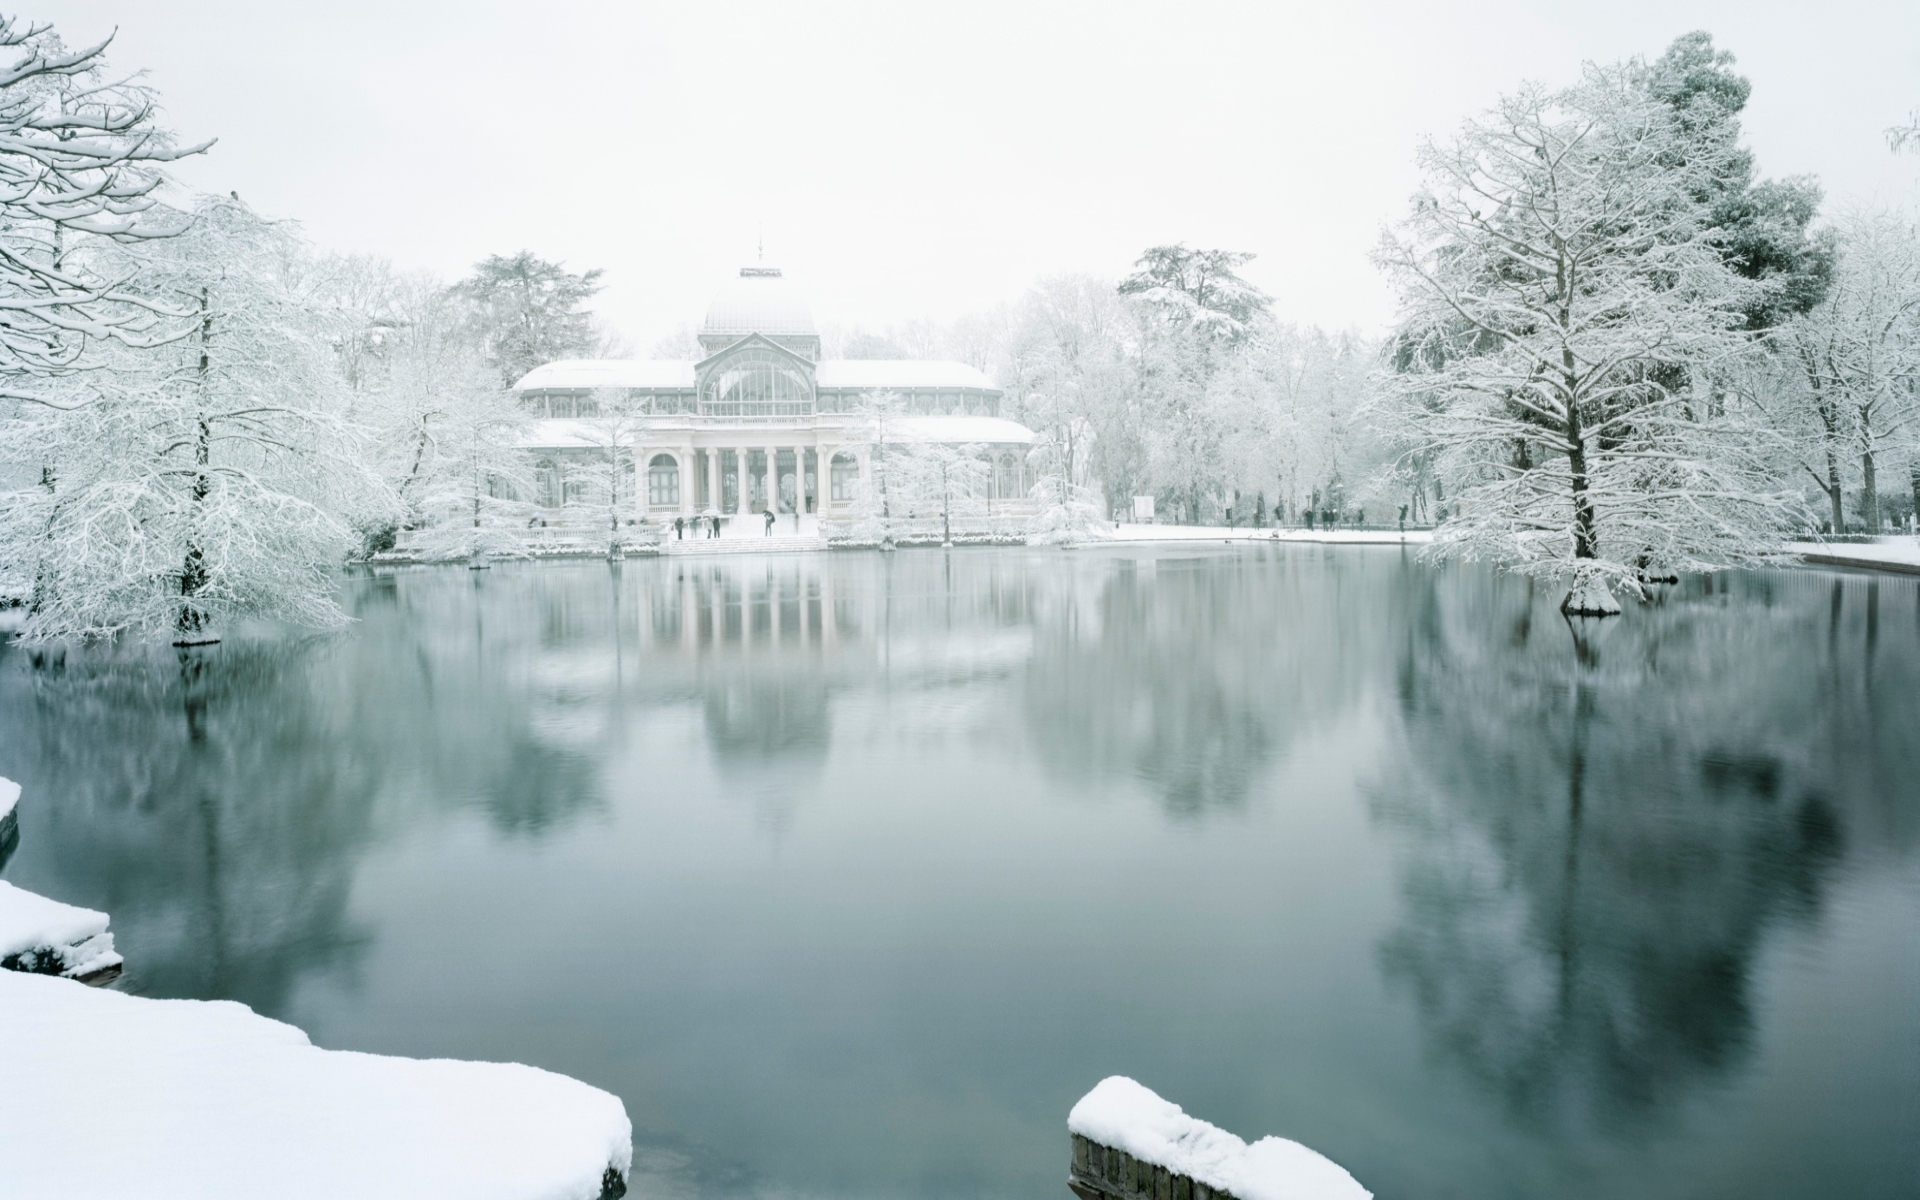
709	526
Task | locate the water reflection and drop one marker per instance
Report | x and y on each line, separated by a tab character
1600	841
1194	674
848	872
196	797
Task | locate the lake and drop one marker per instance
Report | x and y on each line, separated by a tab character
850	872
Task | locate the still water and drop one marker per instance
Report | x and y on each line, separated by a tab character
850	873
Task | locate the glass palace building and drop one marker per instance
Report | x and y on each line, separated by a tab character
761	422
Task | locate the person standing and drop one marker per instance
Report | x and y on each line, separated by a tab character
770	519
679	529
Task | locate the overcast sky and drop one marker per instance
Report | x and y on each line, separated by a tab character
908	160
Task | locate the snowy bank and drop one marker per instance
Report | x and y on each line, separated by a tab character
203	1100
1900	554
47	937
1222	533
1121	1129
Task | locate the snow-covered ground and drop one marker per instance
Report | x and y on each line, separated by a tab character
1209	533
38	934
1894	553
1126	1116
104	1093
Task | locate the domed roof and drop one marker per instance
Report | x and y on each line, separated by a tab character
759	301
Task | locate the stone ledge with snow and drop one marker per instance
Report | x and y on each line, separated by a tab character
1121	1127
205	1100
46	937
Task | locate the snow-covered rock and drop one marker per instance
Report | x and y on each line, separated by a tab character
9	819
1123	1115
50	938
204	1100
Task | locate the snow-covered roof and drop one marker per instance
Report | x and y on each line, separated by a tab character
559	433
995	431
758	300
864	374
875	373
574	373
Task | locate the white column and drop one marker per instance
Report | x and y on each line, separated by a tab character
686	482
743	497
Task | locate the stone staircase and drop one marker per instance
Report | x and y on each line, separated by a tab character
777	544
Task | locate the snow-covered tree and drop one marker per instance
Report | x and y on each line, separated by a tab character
1071	381
210	480
528	312
942	477
1565	297
1858	354
447	434
602	488
877	418
80	159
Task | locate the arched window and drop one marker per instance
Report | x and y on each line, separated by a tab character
546	483
1009	478
757	382
845	474
663	480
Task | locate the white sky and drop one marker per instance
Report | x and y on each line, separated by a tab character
909	160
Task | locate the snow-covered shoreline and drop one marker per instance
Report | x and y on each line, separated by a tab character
1123	1116
1125	533
1900	554
205	1100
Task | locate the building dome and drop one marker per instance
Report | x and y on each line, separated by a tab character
759	301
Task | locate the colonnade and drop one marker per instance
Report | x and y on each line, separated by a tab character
710	477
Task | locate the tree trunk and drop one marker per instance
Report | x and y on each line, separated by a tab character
1870	500
1836	496
191	625
1585	543
1913	477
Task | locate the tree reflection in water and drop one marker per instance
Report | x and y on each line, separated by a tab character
1193	673
1602	828
189	795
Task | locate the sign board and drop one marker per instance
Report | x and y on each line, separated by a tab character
1143	510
